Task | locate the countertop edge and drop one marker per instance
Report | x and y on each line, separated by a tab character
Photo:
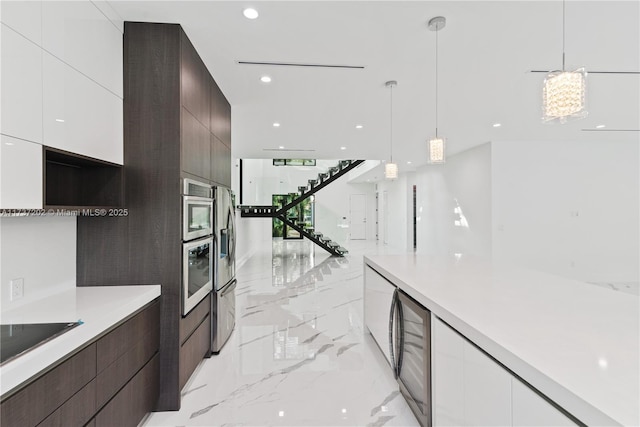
566	399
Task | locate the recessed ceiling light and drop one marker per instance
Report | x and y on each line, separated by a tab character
250	13
496	125
8	143
601	126
281	147
343	148
265	79
281	413
409	163
276	125
358	126
60	120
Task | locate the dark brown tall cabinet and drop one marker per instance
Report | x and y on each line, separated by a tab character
177	124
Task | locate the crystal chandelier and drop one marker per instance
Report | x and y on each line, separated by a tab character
563	93
391	169
436	144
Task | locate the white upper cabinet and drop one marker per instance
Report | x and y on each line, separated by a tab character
20	174
529	409
78	115
23	17
78	33
21	86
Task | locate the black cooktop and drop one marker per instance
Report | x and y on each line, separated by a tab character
16	339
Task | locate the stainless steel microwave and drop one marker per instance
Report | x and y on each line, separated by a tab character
197	210
197	272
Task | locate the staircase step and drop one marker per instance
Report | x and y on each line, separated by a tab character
301	189
323	176
313	182
333	170
344	163
333	245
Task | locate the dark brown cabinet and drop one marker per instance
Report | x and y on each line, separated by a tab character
177	124
97	379
72	181
194	82
195	339
220	162
220	121
196	148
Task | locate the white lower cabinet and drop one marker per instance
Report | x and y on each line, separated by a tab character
471	389
529	409
447	375
487	390
378	294
20	174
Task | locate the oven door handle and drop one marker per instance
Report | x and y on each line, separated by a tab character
230	287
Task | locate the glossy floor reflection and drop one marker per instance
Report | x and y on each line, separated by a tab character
299	355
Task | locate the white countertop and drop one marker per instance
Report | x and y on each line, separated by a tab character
575	342
99	307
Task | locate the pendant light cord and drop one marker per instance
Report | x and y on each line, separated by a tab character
391	121
563	32
437	83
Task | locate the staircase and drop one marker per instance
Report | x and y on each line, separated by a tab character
312	187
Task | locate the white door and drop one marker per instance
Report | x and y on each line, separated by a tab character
358	215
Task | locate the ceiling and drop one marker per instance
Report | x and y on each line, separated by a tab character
486	52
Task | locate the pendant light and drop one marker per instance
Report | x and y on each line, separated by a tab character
563	93
436	144
391	169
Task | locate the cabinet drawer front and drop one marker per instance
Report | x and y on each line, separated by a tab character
124	337
133	402
37	400
76	411
116	375
189	323
194	350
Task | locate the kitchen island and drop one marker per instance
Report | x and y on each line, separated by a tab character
573	344
113	349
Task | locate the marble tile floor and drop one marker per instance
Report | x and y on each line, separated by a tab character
299	355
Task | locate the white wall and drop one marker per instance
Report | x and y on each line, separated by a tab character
61	86
454	204
569	208
42	251
249	232
332	209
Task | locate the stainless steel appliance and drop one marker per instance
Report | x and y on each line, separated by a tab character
197	255
224	298
410	351
197	274
197	210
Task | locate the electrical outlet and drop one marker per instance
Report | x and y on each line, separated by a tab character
17	289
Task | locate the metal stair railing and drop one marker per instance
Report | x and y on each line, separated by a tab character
317	238
315	185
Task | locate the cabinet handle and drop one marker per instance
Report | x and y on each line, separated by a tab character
400	337
391	328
